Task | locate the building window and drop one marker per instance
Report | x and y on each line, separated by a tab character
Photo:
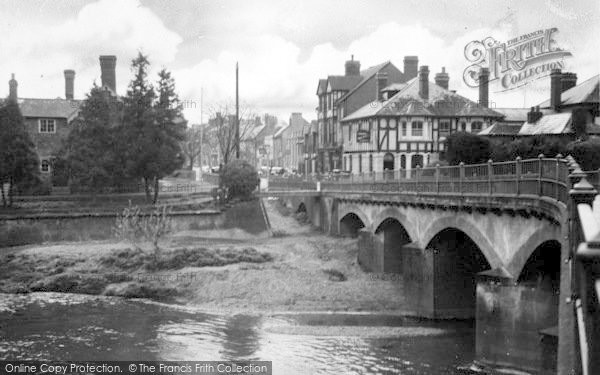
45	165
402	161
350	163
476	126
47	126
463	126
404	128
444	128
417	128
370	163
359	163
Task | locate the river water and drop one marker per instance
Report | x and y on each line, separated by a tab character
54	326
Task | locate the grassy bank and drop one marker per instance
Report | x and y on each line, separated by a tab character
120	272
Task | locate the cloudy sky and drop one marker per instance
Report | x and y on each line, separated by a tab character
283	47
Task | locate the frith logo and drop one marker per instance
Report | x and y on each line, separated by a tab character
515	63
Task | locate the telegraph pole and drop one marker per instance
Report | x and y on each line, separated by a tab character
237	114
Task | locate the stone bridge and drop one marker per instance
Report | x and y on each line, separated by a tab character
491	242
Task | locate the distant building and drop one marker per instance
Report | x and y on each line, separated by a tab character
407	126
49	121
288	143
339	96
555	116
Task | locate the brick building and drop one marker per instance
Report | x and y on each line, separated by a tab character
49	121
339	96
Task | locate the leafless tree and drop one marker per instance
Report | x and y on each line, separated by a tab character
192	146
222	128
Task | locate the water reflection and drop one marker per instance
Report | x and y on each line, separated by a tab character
67	327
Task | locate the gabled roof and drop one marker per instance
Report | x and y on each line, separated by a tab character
585	92
408	102
365	75
52	108
321	86
280	131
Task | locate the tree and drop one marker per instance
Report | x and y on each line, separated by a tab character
467	148
532	147
192	145
89	151
586	153
239	178
153	127
19	163
137	130
224	132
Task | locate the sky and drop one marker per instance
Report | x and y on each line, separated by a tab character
282	47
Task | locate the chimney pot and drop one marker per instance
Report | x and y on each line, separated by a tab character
424	82
411	67
442	79
108	65
555	88
568	81
69	83
484	76
380	83
352	67
12	88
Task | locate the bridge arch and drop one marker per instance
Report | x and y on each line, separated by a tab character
344	210
351	224
394	213
521	256
468	228
392	236
456	260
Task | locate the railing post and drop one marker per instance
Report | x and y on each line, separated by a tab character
461	176
540	171
518	168
437	178
490	172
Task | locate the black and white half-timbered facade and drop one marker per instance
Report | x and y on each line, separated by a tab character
409	126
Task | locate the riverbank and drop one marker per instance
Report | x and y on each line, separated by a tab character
227	271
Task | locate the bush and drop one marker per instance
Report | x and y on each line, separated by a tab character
532	147
132	225
239	178
467	148
586	153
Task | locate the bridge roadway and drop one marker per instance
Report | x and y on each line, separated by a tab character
491	242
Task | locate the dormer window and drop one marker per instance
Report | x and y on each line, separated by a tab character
45	165
476	126
47	126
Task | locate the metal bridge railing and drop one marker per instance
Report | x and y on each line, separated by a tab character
541	176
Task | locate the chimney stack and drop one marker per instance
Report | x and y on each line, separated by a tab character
352	67
441	79
12	88
108	64
568	81
424	82
411	67
534	115
484	78
69	83
555	88
381	80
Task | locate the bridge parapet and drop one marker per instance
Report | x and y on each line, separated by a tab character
586	265
542	177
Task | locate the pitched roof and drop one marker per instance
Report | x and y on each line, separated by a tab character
365	75
556	123
407	101
513	114
502	128
53	108
280	131
343	83
585	92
